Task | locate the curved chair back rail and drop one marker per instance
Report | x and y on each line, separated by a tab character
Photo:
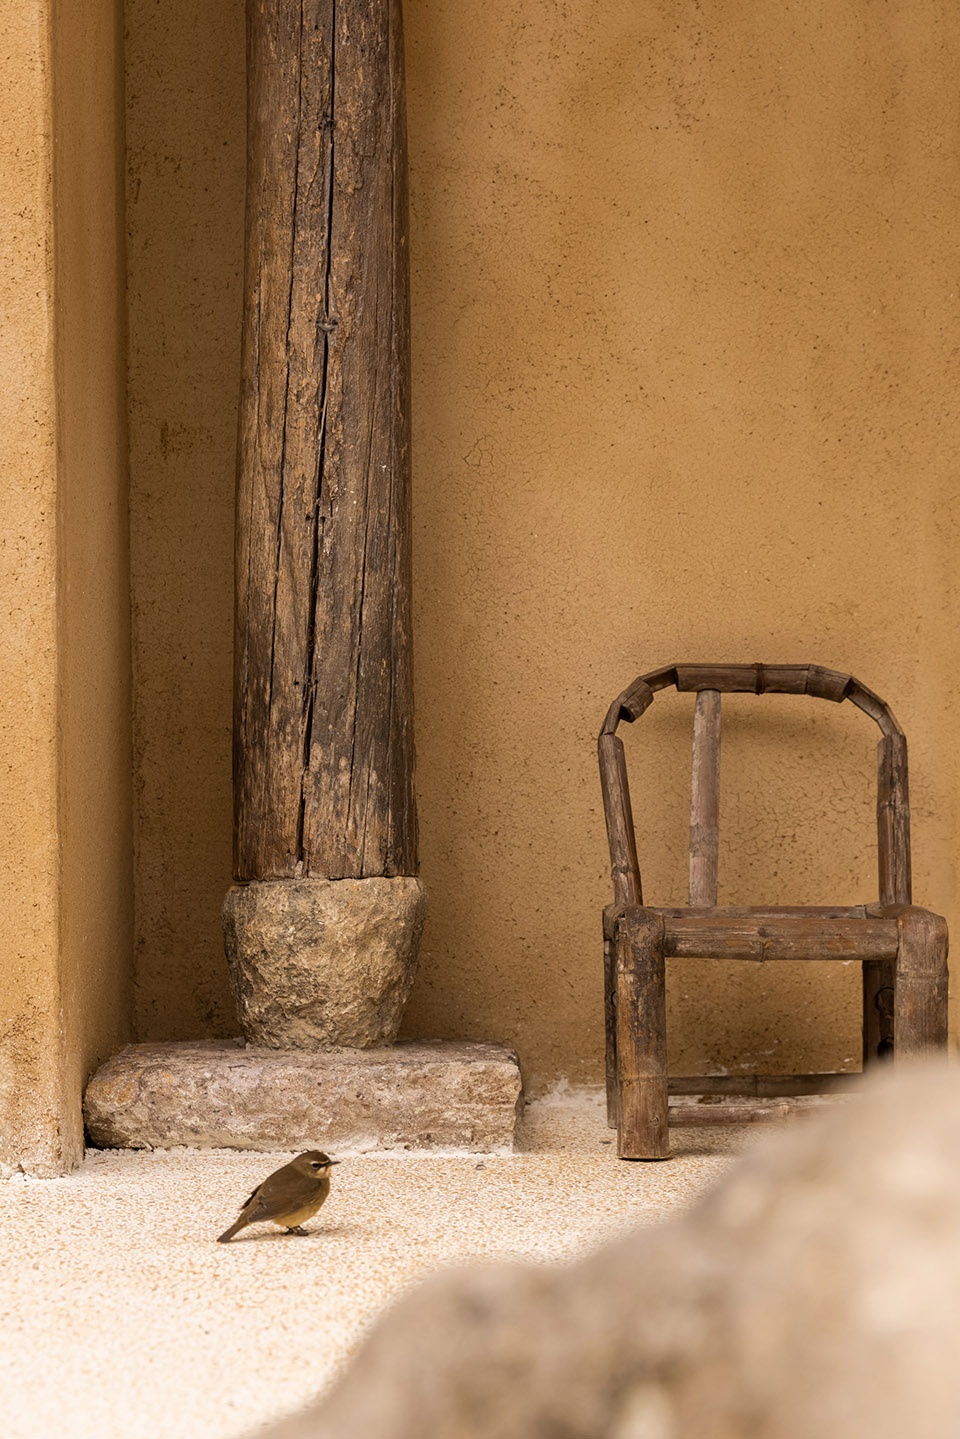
710	682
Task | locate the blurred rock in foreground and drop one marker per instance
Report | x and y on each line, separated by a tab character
813	1294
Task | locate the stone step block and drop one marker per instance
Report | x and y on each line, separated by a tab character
432	1094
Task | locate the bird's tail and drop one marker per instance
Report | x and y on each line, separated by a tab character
235	1228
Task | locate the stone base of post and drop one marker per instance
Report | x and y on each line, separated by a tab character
321	969
421	1095
322	964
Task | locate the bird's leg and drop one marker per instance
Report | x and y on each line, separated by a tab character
296	1229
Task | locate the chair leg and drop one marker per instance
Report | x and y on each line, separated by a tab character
920	991
643	1129
610	1026
878	982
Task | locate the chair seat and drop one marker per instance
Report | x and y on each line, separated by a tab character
762	934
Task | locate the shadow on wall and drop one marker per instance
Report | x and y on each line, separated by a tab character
185	104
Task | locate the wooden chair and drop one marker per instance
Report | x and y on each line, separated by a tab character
903	949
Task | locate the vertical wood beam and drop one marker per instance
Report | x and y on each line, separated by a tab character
643	1119
611	1073
705	800
893	864
624	865
323	716
893	820
920	991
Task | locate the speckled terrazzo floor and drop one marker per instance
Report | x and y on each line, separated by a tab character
120	1315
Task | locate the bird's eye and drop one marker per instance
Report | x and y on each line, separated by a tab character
315	1165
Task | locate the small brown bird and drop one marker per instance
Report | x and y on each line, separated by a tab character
288	1196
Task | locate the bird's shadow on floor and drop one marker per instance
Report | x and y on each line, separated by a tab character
329	1231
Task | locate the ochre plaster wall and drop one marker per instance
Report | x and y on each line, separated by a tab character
185	150
65	800
94	691
31	1119
685	364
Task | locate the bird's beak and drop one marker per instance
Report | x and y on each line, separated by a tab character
334	1161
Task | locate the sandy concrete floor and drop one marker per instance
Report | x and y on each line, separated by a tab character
120	1315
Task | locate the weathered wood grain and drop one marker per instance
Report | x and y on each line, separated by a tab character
610	1031
893	865
765	679
763	1086
624	865
893	820
748	1111
920	990
719	936
323	743
642	1131
871	704
705	799
772	912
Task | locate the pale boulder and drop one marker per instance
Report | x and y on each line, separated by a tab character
813	1294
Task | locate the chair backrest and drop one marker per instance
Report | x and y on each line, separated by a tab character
709	682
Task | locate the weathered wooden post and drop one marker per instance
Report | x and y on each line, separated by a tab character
323	924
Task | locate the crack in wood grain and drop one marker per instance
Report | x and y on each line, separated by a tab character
326	327
360	654
324	729
281	495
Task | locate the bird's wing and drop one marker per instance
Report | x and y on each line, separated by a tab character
255	1208
285	1197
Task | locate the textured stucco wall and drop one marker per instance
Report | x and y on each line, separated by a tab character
31	1122
185	150
94	691
685	362
65	798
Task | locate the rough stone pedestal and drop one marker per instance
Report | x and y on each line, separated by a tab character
317	963
430	1094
